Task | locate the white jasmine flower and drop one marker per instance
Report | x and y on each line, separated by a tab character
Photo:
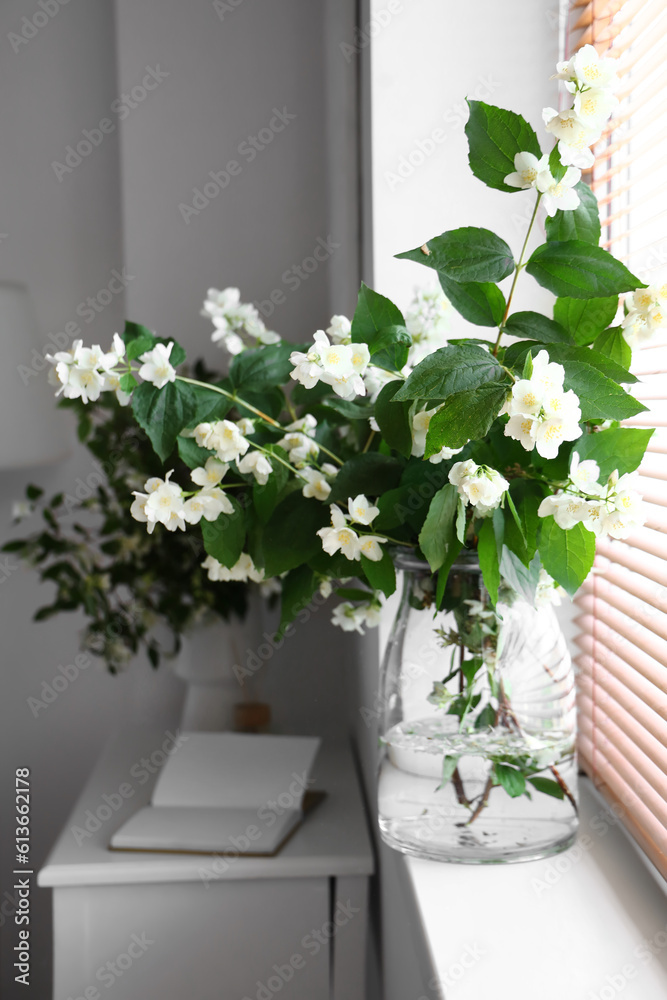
242	570
212	473
84	383
246	426
257	463
593	107
559	195
299	447
375	380
316	484
584	475
156	367
208	504
566	508
21	509
339	365
420	424
550	434
444	454
374	425
370	547
541	415
112	384
223	437
271	587
231	317
549	375
339	536
587	70
307	424
352	619
527	167
573	137
329	470
361	509
478	485
647	314
325	588
340	330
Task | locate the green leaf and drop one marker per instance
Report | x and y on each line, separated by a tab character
488	558
495	136
394	419
558	170
619	448
486	718
135	331
372	474
262	368
437	539
190	452
511	779
613	345
584	319
465	416
580	270
450	370
566	555
461	521
139	345
298	588
521	527
571	357
380	324
210	405
547	786
534	326
582	223
33	492
163	413
224	537
290	537
128	382
381	575
467	254
265	497
521	578
480	302
448	767
600	398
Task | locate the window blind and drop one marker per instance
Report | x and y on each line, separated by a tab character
622	642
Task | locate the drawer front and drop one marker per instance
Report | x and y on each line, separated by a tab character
234	940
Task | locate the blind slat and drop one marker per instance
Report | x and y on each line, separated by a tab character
631	679
627	735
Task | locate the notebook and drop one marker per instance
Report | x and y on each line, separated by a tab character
225	792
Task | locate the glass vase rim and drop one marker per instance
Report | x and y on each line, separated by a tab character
408	561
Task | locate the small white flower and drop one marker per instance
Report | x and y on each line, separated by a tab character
164	503
307	424
548	592
559	195
647	314
21	509
339	537
112	384
340	330
444	454
526	170
257	463
224	438
212	473
361	509
427	319
300	447
541	414
156	367
587	70
593	107
208	504
420	424
242	570
566	508
478	485
84	383
325	588
573	137
370	547
316	483
246	426
584	475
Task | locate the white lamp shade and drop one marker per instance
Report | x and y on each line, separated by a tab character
32	431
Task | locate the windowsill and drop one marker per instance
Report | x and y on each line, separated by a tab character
579	925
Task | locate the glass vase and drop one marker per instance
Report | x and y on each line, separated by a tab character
477	760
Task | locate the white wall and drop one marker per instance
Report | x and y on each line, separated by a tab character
65	237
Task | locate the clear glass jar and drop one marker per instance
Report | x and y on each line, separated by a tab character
477	761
